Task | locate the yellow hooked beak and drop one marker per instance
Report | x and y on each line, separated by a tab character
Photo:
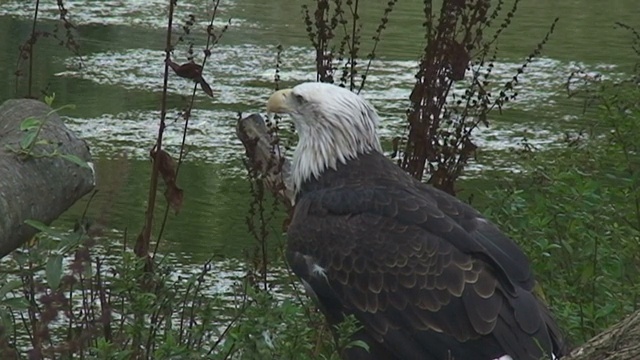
278	102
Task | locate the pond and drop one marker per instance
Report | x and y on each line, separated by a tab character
117	94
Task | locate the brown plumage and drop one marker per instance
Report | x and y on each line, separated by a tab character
191	71
426	275
417	266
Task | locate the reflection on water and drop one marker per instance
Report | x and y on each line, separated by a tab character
117	91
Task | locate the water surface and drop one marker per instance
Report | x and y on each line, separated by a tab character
117	89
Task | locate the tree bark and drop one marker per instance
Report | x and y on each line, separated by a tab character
264	159
620	342
37	186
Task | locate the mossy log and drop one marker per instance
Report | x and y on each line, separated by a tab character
37	182
620	342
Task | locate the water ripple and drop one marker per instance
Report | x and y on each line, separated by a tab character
145	13
242	78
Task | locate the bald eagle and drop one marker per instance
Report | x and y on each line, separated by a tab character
426	275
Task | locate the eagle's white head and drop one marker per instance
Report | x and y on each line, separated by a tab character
333	125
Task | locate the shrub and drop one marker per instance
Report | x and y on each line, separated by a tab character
577	214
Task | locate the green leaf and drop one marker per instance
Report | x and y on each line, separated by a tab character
76	160
16	303
30	123
359	343
53	236
20	258
53	271
49	99
38	226
9	287
28	139
587	274
68	106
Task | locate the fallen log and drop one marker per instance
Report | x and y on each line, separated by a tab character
620	342
41	169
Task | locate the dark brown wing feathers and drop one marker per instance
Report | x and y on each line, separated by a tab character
423	272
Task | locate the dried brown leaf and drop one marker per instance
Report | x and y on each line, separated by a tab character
166	166
205	87
174	196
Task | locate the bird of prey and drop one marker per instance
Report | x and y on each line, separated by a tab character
426	276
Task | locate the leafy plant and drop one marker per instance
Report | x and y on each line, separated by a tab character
32	128
457	54
79	303
577	213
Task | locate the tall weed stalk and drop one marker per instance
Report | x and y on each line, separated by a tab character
334	28
91	306
459	52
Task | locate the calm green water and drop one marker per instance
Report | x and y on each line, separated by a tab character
118	88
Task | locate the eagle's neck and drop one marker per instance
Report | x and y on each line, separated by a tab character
324	147
372	168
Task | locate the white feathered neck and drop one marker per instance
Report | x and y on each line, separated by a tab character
334	125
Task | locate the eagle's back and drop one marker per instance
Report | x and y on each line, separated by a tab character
426	274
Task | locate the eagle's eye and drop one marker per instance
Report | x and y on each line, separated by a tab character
298	98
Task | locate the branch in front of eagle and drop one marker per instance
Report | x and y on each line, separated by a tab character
212	40
266	161
262	156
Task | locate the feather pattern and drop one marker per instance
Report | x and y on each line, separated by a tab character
416	266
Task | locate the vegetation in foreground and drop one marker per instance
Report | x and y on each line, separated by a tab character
576	212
